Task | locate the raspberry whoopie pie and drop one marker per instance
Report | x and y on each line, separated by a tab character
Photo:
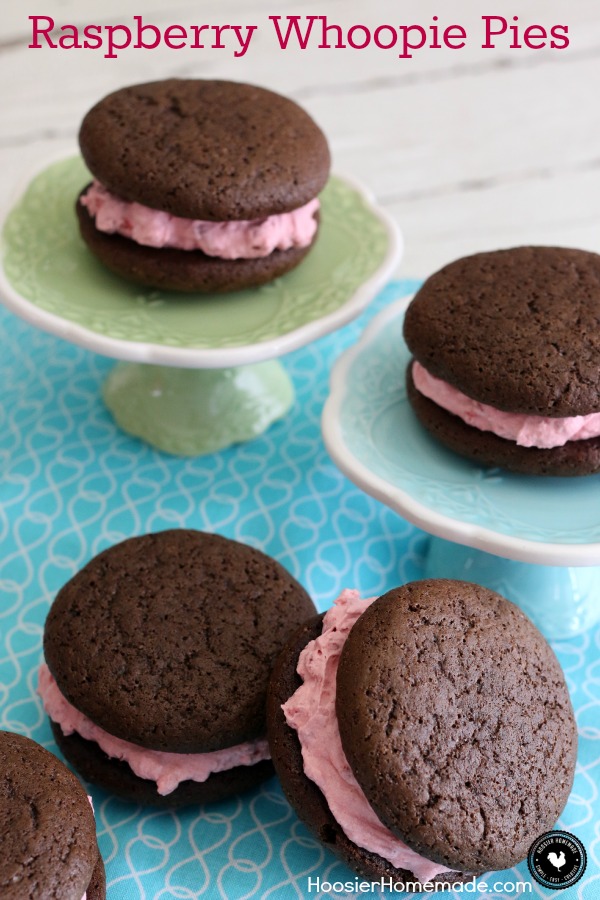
201	186
47	828
158	655
506	367
425	736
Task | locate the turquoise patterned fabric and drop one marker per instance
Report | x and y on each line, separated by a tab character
72	484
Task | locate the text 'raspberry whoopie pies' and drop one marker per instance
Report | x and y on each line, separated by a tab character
201	186
506	367
158	655
48	833
426	736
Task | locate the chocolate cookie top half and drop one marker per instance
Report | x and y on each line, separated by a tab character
167	640
516	329
212	150
457	723
47	827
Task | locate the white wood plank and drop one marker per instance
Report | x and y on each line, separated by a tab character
560	211
465	147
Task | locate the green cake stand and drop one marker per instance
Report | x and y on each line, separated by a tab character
197	373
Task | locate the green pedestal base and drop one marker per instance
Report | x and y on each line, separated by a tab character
192	412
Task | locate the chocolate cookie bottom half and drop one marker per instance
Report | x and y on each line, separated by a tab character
117	777
184	271
485	448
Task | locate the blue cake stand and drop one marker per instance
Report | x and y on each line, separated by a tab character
534	540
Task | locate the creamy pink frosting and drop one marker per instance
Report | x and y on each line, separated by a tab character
527	431
311	712
168	770
227	240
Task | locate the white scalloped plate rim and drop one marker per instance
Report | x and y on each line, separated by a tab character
203	358
435	523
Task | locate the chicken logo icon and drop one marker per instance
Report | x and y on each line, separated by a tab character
557	859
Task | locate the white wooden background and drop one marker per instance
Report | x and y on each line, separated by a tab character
471	149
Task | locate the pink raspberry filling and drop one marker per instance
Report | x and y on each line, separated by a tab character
543	432
311	712
227	240
168	770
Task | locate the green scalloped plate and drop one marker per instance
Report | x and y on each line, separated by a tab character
50	278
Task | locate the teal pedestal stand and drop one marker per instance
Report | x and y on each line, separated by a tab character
561	600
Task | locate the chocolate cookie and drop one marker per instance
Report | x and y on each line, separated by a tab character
302	793
519	332
47	828
210	150
204	152
472	740
166	642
